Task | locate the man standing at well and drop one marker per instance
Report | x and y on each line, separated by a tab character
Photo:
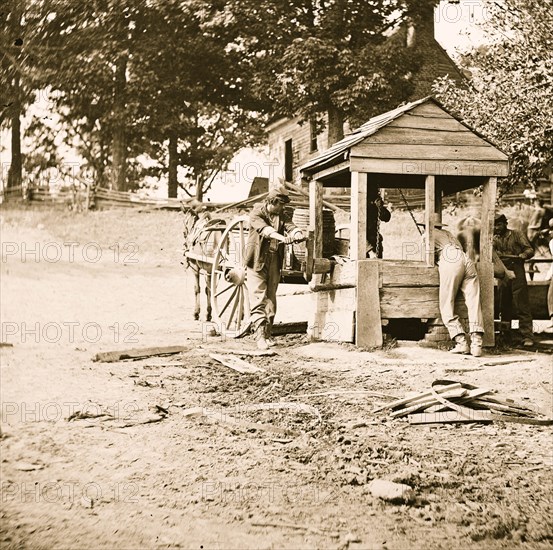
269	232
458	273
513	248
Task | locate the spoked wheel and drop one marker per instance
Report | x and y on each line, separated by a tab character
229	293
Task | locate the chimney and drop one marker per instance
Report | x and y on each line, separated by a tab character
421	29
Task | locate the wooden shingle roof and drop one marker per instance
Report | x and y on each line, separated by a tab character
420	131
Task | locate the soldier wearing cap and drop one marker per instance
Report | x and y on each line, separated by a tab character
513	247
269	231
458	273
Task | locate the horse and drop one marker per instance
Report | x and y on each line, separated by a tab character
201	238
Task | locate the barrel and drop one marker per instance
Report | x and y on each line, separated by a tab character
300	219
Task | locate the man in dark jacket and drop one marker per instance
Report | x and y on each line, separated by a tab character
376	213
513	248
269	232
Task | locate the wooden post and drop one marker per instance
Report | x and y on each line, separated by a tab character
429	218
316	216
358	232
485	269
368	324
438	200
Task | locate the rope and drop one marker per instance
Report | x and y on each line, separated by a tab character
410	211
378	236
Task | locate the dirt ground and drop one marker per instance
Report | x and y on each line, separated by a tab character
110	455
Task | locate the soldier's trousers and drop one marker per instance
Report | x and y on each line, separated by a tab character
458	273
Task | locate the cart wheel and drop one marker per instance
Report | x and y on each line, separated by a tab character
229	293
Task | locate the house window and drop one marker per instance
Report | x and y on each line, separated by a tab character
288	161
312	136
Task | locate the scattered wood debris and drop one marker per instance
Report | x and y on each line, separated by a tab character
112	356
223	416
247	352
229	415
235	363
493	363
28	467
339	391
449	401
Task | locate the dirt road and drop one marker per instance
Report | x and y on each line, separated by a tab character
110	455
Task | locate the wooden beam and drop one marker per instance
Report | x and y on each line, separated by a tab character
467	153
112	356
485	269
316	216
331	171
429	218
358	233
299	191
438	168
487	216
438	186
368	325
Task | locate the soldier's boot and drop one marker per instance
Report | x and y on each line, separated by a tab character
476	344
268	335
461	345
261	338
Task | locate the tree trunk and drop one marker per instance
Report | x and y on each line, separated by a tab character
199	187
335	125
197	172
173	166
15	175
119	145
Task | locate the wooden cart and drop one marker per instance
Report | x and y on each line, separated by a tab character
220	255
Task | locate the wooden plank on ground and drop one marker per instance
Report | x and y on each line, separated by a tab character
428	402
368	324
235	363
112	356
447	417
247	352
299	327
418	396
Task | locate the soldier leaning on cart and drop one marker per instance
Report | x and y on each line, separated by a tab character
269	231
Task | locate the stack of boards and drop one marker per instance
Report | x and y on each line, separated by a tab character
448	401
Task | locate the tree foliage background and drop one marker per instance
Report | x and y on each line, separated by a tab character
184	84
510	99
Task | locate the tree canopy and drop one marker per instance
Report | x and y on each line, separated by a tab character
186	83
310	58
510	99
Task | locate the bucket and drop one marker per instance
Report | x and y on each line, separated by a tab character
300	219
